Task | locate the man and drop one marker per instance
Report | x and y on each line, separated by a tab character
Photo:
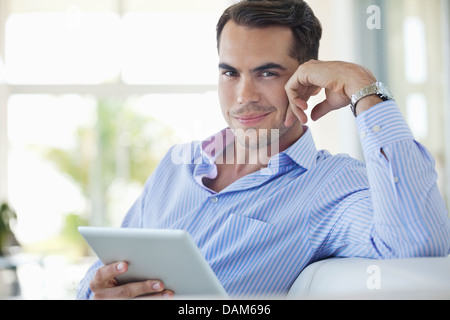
258	198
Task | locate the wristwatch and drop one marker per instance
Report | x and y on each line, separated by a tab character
377	88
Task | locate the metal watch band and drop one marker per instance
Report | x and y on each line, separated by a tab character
376	88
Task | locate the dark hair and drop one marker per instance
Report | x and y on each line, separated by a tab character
295	14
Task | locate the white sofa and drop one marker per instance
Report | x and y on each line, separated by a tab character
358	278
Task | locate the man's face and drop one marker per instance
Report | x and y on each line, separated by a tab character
254	66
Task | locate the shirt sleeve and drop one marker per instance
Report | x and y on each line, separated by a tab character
83	290
410	216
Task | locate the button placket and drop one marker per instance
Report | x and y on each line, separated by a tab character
214	199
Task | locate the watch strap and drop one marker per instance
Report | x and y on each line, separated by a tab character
376	88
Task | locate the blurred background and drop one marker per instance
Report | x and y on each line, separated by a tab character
94	93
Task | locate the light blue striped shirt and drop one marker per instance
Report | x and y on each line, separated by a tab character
260	232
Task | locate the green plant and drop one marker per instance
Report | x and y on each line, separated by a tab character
121	145
7	216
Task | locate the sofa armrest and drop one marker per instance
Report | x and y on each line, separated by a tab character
359	278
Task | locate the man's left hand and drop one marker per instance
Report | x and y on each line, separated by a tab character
340	81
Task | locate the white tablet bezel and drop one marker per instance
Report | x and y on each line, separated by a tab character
154	254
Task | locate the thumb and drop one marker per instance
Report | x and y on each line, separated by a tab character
321	110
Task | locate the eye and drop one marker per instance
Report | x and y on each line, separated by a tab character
268	74
230	73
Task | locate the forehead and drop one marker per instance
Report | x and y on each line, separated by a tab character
242	43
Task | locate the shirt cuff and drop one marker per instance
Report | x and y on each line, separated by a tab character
382	125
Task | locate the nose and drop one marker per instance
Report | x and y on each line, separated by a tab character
247	92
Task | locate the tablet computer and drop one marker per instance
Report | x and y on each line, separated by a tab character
167	255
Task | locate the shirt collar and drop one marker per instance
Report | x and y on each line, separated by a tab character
303	151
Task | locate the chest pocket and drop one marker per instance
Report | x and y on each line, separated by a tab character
236	245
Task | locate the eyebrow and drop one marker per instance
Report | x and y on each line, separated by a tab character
269	65
263	67
227	67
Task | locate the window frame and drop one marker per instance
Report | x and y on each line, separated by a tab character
118	89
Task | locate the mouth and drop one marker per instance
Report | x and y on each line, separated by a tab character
251	119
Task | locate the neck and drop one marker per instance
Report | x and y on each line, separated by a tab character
238	160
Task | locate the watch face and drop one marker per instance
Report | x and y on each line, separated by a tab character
384	90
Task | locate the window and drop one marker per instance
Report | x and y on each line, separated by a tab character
173	56
419	75
92	95
41	193
50	48
129	50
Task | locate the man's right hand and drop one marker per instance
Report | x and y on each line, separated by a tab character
104	285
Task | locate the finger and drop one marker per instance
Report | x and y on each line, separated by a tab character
300	103
290	117
296	107
292	88
295	111
105	276
166	294
300	84
298	94
300	114
131	290
321	110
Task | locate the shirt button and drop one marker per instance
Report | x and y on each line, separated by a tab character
396	179
363	134
214	199
376	129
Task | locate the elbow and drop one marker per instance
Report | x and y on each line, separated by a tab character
435	244
413	244
426	250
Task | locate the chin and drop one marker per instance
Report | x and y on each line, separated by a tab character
255	138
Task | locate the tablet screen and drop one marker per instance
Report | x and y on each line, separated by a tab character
154	254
